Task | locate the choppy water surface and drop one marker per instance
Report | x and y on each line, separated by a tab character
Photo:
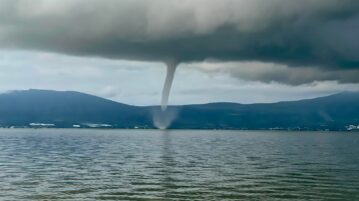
177	165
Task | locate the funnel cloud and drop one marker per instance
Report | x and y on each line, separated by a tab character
171	69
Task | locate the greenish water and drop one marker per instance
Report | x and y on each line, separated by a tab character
177	165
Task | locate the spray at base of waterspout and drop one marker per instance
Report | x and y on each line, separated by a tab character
163	119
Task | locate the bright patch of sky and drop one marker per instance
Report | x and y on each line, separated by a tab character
140	83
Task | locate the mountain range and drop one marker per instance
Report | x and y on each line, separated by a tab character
69	109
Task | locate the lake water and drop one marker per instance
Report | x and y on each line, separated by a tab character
177	165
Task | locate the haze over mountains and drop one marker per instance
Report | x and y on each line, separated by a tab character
45	108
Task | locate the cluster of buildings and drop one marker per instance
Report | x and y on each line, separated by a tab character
352	127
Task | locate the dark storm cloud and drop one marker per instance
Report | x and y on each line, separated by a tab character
270	72
306	33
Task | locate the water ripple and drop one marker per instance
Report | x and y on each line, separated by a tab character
177	165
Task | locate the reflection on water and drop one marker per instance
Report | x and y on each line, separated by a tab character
177	165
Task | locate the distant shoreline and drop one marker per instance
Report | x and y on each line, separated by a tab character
185	129
55	109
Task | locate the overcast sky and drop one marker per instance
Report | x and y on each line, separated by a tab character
229	50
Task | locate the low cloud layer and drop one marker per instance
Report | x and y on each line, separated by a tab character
318	39
271	72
